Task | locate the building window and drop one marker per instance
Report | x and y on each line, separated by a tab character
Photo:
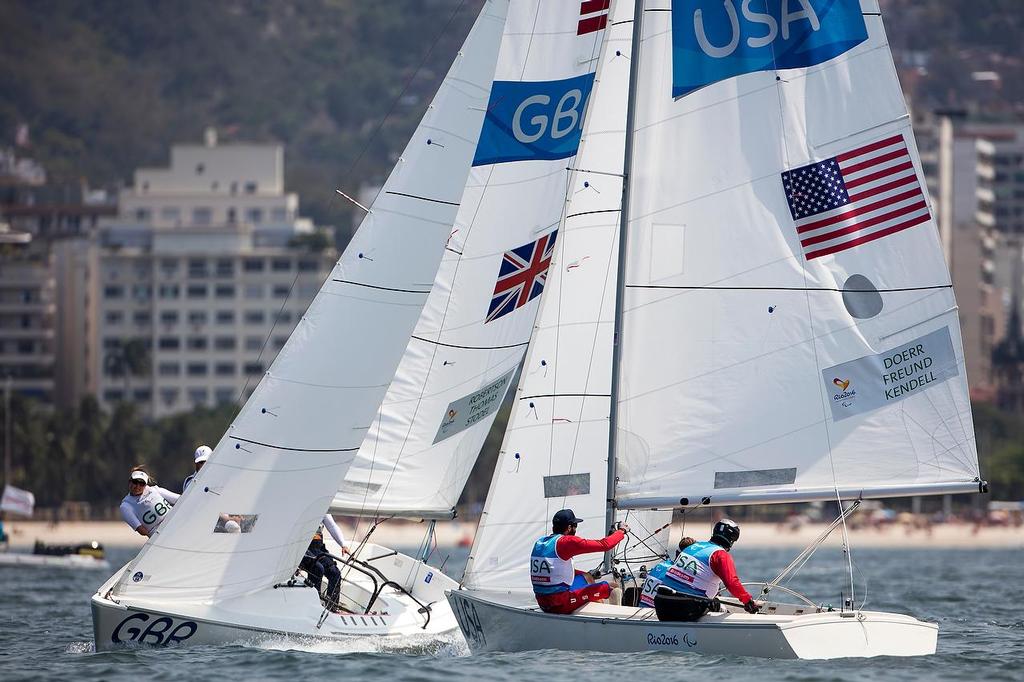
169	343
279	342
143	215
202	216
198	396
225	343
253	265
225	267
254	317
171	214
197	267
232	215
225	317
197	291
169	396
113	395
254	291
113	292
142	292
111	343
253	368
196	343
284	317
169	369
169	316
281	290
251	187
142	394
281	264
224	291
112	317
279	215
254	215
196	369
224	369
223	396
141	317
307	265
170	291
253	343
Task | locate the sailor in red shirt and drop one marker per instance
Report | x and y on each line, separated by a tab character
558	586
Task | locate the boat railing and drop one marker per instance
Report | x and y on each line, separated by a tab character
374	573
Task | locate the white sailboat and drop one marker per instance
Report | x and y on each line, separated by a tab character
380	401
779	338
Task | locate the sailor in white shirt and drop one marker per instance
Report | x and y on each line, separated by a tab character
145	505
203	453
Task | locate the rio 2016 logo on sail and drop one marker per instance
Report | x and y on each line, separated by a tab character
714	40
160	631
533	120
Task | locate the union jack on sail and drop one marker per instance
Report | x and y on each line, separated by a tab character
521	277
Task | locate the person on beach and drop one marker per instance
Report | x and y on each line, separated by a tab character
700	570
202	454
557	585
657	575
146	504
318	563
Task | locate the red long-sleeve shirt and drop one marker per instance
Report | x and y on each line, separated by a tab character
569	546
724	568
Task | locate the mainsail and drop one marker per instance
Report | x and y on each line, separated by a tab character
474	329
283	458
789	326
555	450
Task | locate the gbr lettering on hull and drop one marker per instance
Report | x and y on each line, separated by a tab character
141	628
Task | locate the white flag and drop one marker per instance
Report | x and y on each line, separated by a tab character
17	500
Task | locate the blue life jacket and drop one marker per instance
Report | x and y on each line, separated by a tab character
549	573
691	572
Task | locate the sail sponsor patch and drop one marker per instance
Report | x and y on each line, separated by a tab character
714	40
874	381
470	409
534	120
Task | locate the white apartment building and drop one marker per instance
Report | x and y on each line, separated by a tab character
200	278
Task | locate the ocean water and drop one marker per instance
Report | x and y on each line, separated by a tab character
976	597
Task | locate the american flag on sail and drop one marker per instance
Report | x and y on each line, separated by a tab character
521	276
855	198
595	16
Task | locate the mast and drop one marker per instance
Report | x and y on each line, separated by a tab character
620	286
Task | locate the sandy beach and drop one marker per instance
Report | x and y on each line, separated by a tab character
403	534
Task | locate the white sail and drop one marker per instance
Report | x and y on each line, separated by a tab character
789	324
284	456
473	332
555	450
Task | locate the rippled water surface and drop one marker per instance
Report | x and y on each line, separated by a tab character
975	596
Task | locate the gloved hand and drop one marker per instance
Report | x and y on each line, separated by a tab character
751	607
620	525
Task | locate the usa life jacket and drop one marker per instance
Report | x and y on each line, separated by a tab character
549	573
691	572
655	577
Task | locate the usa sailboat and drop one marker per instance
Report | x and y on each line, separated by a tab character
378	404
776	322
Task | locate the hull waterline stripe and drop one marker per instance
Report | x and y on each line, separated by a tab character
282	447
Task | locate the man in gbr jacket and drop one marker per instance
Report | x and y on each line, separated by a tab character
558	586
701	568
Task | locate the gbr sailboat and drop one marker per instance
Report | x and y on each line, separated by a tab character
750	306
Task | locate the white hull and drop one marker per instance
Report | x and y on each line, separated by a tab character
66	561
493	623
284	612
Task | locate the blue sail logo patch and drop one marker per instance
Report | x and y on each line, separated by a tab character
714	40
533	120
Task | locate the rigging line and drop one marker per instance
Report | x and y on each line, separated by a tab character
374	286
748	288
282	447
416	196
270	333
398	98
454	345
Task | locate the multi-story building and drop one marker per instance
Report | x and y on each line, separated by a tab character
27	315
200	279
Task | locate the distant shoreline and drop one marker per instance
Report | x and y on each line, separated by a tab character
407	534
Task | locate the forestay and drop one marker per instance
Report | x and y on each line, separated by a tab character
555	449
473	332
789	323
283	458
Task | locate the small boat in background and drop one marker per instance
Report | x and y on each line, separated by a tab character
86	555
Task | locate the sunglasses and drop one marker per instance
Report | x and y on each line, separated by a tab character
134	481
